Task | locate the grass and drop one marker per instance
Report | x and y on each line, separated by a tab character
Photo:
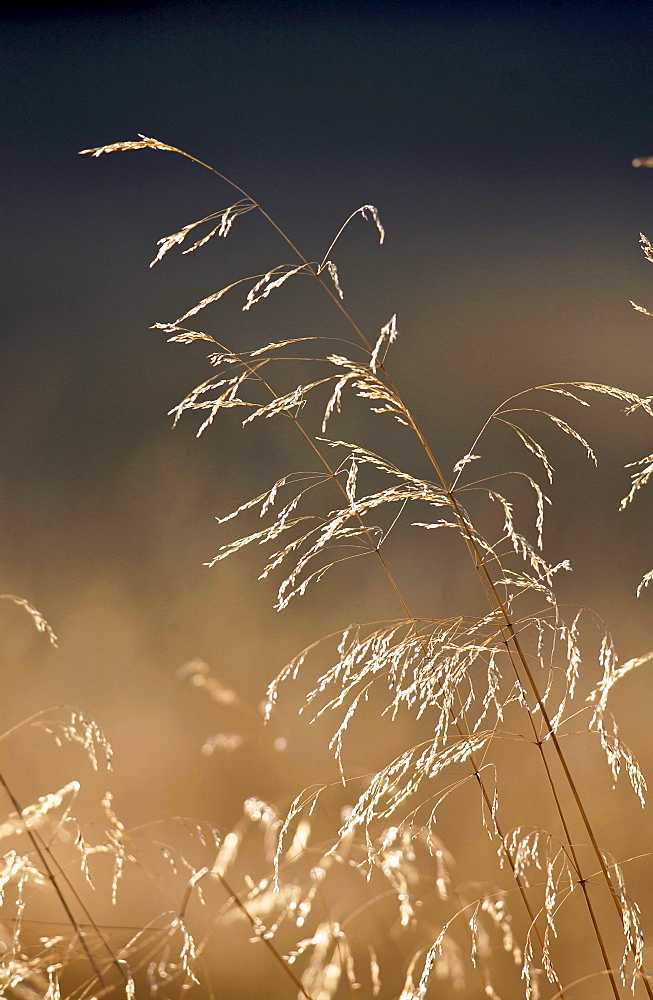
353	888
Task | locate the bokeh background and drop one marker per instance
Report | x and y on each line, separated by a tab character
496	139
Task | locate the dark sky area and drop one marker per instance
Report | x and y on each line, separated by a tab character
496	140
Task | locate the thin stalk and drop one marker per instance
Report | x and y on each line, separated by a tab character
53	879
497	604
266	941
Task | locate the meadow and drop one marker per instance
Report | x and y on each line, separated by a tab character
454	840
